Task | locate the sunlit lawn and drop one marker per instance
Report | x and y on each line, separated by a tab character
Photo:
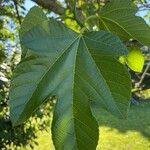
115	134
130	134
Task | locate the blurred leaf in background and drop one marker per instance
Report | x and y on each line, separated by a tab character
135	59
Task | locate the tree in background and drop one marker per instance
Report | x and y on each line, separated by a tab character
11	15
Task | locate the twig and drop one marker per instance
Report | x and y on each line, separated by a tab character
148	74
17	11
143	75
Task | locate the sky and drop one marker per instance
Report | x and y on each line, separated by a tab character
29	4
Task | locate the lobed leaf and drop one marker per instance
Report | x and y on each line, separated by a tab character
118	17
77	68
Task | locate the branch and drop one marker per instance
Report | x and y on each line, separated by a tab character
51	5
55	7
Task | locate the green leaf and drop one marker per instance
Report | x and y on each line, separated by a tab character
122	59
118	17
34	17
2	54
135	59
1	98
77	68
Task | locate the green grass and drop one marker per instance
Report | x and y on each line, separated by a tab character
115	134
130	134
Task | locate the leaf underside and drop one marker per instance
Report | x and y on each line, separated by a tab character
78	69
